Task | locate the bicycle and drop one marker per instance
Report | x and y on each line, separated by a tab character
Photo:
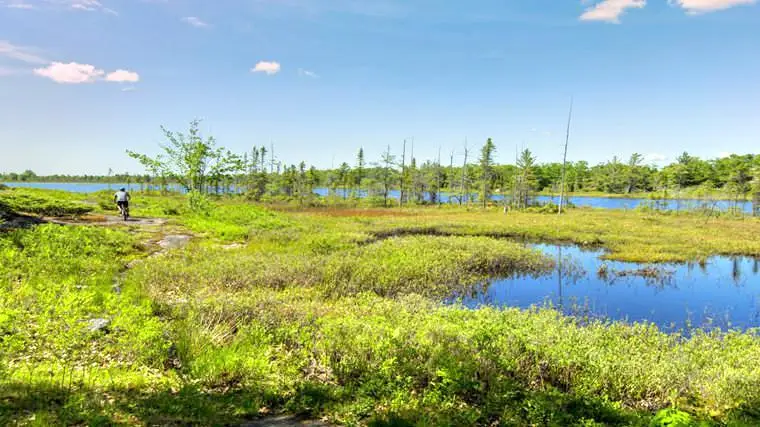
124	211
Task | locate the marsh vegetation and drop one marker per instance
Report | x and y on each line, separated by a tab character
347	314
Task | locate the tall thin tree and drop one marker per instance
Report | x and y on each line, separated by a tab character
564	160
401	179
438	176
486	166
464	175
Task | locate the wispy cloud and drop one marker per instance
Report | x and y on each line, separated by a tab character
10	71
129	89
18	4
81	5
307	73
20	53
90	6
655	158
268	67
195	22
59	72
704	6
374	8
611	10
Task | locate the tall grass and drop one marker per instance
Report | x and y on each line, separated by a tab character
339	314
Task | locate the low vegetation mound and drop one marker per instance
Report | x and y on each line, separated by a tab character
40	204
429	266
234	222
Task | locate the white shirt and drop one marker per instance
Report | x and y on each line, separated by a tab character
121	196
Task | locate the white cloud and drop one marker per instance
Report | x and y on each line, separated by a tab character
195	22
75	73
704	6
20	53
611	10
123	76
268	67
129	89
307	73
71	73
60	72
82	5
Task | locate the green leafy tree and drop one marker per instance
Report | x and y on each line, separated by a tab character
185	159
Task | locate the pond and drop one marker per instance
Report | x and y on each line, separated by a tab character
592	202
722	293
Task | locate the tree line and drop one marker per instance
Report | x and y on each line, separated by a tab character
199	165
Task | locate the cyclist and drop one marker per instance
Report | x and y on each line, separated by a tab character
122	200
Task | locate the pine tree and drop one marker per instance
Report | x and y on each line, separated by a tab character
486	170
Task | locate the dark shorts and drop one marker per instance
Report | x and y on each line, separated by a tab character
125	205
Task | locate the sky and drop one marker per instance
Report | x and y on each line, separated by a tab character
81	81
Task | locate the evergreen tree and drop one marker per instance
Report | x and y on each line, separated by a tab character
486	170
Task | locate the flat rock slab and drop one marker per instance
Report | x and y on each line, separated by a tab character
99	325
284	421
142	222
106	220
174	241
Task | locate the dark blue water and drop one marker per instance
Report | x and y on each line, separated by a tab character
76	187
724	293
592	202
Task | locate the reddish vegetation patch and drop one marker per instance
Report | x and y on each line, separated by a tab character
365	213
93	218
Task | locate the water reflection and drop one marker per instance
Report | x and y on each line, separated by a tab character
724	292
708	207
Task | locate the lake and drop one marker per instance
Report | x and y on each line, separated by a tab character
592	202
723	293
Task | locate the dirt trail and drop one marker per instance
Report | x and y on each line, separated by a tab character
109	220
284	421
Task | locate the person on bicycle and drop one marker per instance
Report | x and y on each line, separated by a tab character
122	199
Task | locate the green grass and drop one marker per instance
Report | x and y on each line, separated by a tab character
41	203
630	236
337	314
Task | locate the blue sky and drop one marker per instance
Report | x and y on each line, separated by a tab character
83	80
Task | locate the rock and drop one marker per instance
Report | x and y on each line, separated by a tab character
174	241
99	325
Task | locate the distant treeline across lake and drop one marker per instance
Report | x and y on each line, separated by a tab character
579	201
